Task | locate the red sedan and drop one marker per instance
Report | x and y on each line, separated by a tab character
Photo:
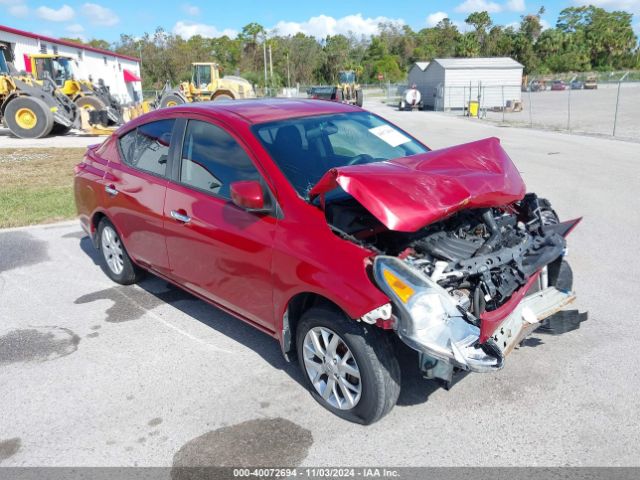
333	231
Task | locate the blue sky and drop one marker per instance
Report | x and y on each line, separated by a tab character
106	20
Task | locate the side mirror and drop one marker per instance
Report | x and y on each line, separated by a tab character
248	194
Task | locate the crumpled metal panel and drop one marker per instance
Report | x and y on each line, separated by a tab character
407	193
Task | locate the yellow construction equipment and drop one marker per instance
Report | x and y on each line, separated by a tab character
346	91
84	93
30	109
349	91
206	84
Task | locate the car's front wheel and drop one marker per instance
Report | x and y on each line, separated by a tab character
116	261
350	367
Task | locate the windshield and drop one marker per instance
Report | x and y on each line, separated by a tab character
306	148
3	64
347	77
64	65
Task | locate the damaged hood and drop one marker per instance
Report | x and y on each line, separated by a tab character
407	193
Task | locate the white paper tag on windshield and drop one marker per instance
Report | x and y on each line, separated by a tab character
390	135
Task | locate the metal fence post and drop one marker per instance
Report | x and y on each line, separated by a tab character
530	108
615	118
503	105
569	109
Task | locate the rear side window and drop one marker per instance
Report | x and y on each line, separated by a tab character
147	147
212	159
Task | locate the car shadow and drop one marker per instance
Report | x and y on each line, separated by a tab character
414	388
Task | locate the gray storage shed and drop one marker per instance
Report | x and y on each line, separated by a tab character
450	83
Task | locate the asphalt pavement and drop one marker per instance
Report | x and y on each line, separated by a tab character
96	374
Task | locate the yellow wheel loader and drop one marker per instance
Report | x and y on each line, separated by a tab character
206	84
32	110
347	90
85	94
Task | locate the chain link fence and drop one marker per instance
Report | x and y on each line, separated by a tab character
605	104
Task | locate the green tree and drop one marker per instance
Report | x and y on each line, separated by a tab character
481	22
468	46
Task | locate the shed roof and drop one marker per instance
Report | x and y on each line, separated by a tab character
472	63
422	65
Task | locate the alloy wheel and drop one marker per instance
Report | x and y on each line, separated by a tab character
332	368
112	250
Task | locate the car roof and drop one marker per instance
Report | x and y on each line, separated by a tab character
269	110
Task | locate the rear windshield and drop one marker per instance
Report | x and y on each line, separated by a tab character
306	148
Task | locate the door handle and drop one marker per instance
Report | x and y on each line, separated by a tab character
111	190
181	217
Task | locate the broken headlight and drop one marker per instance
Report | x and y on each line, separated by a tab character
429	319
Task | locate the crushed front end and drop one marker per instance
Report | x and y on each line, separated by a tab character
471	263
468	289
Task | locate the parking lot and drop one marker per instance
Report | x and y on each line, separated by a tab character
96	374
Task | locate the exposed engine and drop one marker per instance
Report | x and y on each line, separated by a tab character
481	257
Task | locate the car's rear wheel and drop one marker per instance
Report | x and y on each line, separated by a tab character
116	261
350	368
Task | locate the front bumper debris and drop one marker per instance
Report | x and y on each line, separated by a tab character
540	309
528	315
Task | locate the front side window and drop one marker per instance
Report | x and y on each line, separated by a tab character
147	147
212	159
306	148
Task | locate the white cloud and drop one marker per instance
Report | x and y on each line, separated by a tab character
516	5
323	25
470	6
544	24
99	15
463	27
628	5
19	10
74	28
435	18
189	29
62	14
191	10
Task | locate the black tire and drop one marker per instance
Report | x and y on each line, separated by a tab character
373	354
339	95
90	103
130	272
171	100
359	98
222	96
563	279
20	109
59	129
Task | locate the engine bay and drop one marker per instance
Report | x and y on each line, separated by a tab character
480	256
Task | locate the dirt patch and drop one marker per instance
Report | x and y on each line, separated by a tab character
8	448
20	249
37	344
266	442
130	303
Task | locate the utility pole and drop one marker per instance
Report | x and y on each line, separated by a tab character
264	51
270	67
288	73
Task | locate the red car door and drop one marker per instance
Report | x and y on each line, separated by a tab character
136	190
216	248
